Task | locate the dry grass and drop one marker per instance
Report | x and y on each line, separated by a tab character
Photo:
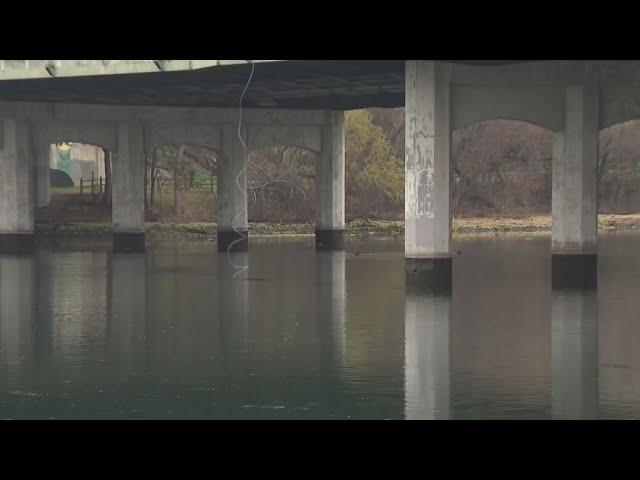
74	214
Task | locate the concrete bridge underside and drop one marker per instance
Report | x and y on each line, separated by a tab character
132	110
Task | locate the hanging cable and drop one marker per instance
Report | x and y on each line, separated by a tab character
243	190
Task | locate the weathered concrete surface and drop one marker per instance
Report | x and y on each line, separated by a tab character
16	178
574	354
42	178
128	180
330	185
575	158
427	157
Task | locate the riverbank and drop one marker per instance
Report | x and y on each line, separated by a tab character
498	225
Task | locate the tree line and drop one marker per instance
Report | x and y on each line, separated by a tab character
497	167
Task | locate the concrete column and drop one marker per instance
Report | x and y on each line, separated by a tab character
574	191
330	186
427	179
128	190
233	226
42	179
426	327
574	354
330	301
16	187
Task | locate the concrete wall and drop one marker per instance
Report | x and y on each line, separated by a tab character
16	177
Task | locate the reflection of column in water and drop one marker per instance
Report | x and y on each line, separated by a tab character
426	328
43	333
330	304
574	350
233	305
18	297
127	310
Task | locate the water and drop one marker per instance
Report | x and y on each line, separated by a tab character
85	333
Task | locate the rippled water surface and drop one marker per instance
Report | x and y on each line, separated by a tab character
85	333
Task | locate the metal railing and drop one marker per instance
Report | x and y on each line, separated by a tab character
93	186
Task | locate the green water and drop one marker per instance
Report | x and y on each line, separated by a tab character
85	333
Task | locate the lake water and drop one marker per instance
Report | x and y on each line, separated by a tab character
85	333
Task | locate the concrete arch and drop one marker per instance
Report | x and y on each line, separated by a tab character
196	135
101	134
307	137
619	104
541	106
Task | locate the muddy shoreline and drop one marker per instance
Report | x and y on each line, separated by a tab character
497	225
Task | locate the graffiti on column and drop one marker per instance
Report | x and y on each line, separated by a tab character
419	184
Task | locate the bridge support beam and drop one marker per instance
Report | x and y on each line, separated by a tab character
233	226
16	187
427	156
574	191
330	186
41	177
128	190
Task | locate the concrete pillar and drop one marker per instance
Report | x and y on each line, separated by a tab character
16	187
233	226
330	186
128	190
41	177
426	326
330	301
427	179
574	354
574	191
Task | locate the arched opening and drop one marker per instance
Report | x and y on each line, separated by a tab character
498	167
501	167
374	164
619	169
281	184
181	184
79	184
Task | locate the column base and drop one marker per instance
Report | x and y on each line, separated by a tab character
17	243
228	237
329	239
429	275
128	242
574	271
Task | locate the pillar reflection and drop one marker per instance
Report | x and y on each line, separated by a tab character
233	305
427	324
574	350
127	312
18	297
330	294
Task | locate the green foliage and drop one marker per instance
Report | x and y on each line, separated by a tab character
374	176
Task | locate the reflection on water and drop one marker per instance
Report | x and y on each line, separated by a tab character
426	327
173	333
574	337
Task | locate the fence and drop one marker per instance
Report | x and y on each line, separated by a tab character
94	186
200	185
